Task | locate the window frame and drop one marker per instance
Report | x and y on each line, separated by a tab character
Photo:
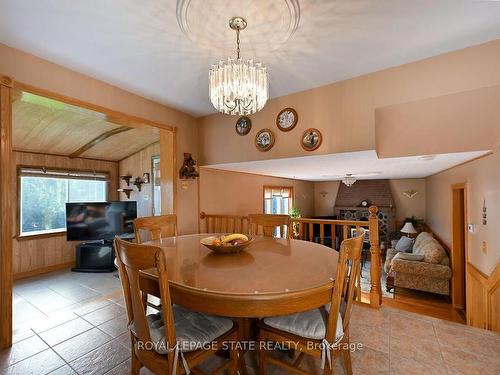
54	232
267	187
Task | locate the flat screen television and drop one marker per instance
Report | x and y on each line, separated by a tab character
99	221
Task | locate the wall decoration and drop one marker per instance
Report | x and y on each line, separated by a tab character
410	193
323	193
287	119
243	125
188	169
264	140
311	139
485	215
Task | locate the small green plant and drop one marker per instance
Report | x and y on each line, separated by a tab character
295	214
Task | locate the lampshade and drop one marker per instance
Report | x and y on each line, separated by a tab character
408	228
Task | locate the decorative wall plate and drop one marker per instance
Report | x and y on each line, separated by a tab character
243	125
287	119
264	140
311	139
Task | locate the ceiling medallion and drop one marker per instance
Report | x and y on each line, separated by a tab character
238	87
205	23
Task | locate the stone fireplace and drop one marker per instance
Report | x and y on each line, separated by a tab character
376	192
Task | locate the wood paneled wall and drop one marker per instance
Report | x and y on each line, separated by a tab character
135	165
483	298
45	254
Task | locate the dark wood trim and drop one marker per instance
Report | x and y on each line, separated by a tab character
32	237
112	115
6	206
64	156
98	140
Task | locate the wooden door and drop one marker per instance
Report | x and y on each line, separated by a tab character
459	246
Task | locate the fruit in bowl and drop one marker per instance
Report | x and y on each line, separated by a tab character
229	243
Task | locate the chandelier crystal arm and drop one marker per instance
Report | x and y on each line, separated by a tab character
238	87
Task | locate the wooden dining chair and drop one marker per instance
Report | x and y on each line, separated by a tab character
322	332
156	226
174	340
268	223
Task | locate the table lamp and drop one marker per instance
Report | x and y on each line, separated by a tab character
408	229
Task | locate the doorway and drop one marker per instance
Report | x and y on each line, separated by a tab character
459	246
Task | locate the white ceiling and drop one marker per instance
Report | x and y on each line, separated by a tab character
139	46
364	165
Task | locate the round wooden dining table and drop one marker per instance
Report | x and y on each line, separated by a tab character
270	277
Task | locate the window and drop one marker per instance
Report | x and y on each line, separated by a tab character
44	193
278	199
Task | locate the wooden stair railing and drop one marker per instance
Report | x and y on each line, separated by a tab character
303	229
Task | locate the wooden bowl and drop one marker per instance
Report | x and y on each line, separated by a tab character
225	249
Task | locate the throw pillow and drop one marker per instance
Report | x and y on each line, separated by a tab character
414	257
405	245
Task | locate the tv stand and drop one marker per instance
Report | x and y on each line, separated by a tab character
95	256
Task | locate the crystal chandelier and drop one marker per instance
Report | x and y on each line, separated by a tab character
238	87
348	180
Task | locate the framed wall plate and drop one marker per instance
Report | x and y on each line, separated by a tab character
264	140
287	119
311	139
243	125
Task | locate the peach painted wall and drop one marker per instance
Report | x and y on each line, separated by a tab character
482	177
325	194
34	71
435	121
345	111
235	193
408	207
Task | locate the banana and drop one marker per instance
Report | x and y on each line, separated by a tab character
232	237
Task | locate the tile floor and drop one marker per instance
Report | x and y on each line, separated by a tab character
70	323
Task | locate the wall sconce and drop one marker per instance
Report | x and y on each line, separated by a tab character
188	169
138	183
410	193
126	178
126	191
323	193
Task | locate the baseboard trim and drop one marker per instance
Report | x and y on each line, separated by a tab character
41	271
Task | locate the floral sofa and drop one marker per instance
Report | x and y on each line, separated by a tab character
426	268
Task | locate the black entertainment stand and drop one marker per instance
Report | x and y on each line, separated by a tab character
96	256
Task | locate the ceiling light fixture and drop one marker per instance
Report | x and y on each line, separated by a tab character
238	87
348	180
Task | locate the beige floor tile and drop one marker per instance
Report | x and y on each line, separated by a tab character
52	320
371	336
467	340
82	344
38	364
403	326
21	350
407	366
101	360
419	349
91	305
65	331
369	361
459	362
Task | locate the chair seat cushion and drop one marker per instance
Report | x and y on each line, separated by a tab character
308	324
193	330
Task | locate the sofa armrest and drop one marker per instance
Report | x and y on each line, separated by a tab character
437	271
391	253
